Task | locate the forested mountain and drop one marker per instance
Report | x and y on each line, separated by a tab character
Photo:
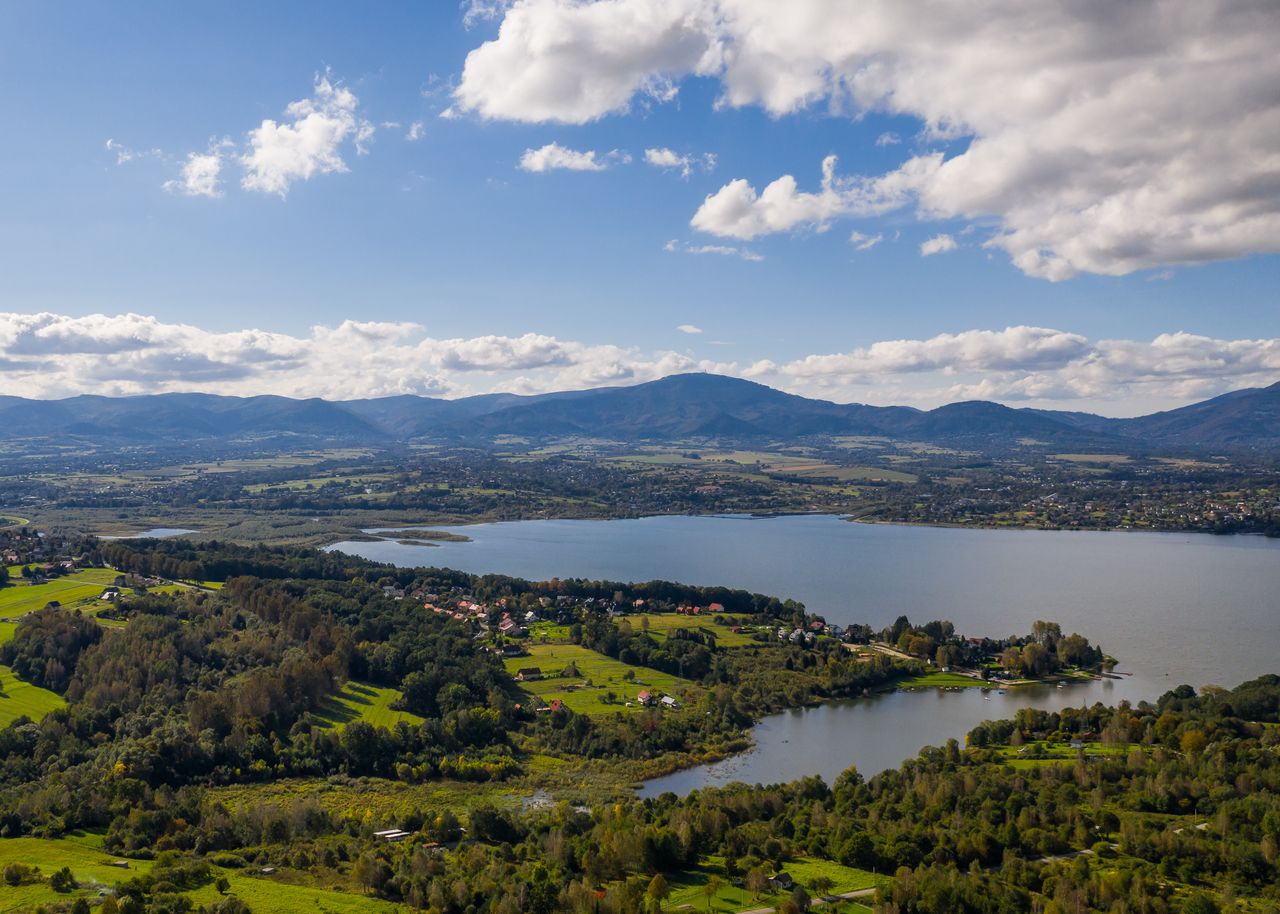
680	407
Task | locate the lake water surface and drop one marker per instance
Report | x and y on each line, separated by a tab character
1173	608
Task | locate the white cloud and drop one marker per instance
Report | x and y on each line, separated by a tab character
889	138
125	154
416	132
1033	365
938	244
738	211
53	355
724	250
1101	138
554	156
476	11
308	143
863	242
689	328
199	176
669	159
570	62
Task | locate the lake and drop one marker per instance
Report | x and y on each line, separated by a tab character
153	533
1173	608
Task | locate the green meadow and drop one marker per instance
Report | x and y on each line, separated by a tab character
18	599
18	698
689	889
90	867
598	675
658	624
362	701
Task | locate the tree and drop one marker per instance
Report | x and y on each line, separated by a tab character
658	890
710	890
222	885
757	882
822	885
62	880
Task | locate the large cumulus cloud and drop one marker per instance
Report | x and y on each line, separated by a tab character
1099	137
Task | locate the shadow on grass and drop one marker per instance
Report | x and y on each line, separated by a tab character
345	706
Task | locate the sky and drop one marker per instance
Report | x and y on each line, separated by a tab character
1053	204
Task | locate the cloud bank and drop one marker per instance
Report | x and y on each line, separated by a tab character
1100	138
51	355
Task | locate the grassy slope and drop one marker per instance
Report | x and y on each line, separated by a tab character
88	865
661	623
18	599
18	698
687	887
604	673
370	703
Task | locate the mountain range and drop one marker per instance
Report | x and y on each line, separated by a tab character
680	407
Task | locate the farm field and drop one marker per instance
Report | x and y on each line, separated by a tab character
89	867
19	599
661	623
604	673
268	896
370	703
688	888
18	698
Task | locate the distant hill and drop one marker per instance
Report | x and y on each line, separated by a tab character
680	407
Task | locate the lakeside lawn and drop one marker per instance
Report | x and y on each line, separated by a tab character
18	698
367	702
587	693
946	681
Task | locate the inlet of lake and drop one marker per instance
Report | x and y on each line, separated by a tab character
1173	608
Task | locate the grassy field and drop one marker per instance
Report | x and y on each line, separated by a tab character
688	888
19	599
370	703
6	631
661	623
18	698
603	673
944	680
1062	753
268	896
88	865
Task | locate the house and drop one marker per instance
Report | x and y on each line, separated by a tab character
391	834
670	703
557	705
531	616
528	674
645	698
110	596
782	882
715	608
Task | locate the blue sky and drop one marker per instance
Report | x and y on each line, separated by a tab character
449	233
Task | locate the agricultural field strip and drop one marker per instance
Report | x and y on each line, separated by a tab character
604	673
